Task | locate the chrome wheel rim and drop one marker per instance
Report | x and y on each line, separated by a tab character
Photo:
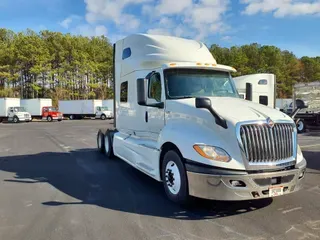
300	125
173	178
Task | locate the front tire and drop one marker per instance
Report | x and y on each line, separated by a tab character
301	126
103	117
174	178
108	147
15	119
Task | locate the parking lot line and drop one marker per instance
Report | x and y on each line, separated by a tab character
310	146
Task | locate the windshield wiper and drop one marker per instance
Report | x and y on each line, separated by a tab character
182	97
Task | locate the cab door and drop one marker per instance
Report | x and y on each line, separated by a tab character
10	112
98	112
45	113
154	115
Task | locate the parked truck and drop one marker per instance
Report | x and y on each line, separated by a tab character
259	88
11	111
41	108
79	109
310	116
108	105
180	120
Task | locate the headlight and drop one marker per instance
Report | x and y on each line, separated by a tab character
213	153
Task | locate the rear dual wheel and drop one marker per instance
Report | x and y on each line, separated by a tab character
104	142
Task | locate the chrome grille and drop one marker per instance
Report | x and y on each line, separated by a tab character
264	144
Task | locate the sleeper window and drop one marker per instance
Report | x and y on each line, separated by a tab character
124	92
155	87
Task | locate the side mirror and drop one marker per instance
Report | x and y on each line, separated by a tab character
206	103
203	103
141	91
301	104
249	91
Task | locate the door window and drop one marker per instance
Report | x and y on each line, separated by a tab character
155	87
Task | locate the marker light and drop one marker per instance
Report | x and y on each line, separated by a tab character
173	64
199	63
207	64
214	65
213	153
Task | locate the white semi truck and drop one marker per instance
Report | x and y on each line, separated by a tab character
11	111
180	120
79	109
259	88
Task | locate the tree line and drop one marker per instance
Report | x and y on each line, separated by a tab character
54	65
254	58
64	66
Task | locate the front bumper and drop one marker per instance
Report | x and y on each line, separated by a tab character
57	118
216	185
24	119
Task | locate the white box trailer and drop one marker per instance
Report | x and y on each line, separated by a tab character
79	109
10	110
179	119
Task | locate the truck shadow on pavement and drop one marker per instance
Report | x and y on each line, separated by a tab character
313	165
91	178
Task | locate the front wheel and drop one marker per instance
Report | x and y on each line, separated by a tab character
174	178
103	117
49	119
301	126
15	119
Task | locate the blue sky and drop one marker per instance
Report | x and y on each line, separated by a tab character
288	24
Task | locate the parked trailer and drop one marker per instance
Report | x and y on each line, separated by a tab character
179	119
310	93
10	110
79	109
41	108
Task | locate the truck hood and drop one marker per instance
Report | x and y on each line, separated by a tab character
22	113
232	109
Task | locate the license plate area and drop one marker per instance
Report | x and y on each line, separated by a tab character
275	191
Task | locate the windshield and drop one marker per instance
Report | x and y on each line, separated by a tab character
183	83
19	109
52	109
104	109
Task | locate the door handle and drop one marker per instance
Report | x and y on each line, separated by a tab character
146	117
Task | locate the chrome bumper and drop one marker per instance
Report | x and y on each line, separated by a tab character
218	187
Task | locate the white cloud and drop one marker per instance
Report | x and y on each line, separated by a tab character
159	31
112	10
172	7
282	8
66	22
184	18
89	30
226	38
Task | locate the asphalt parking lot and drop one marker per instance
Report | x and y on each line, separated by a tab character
55	185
